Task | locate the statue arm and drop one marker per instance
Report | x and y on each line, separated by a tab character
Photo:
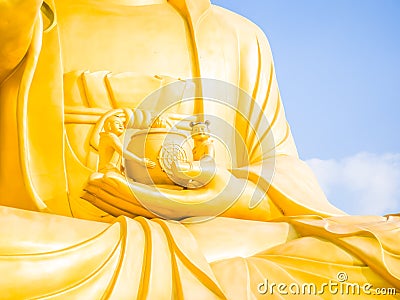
17	21
291	186
117	145
272	182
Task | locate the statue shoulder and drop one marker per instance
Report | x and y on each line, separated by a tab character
248	31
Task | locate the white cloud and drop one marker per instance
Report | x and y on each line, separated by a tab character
363	184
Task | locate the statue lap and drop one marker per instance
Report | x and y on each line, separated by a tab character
137	255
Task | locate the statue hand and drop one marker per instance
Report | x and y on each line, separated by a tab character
148	163
116	195
195	174
224	195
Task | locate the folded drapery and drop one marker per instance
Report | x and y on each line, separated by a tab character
55	256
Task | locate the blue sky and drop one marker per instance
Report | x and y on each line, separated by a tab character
338	68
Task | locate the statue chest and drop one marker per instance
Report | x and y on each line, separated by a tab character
149	39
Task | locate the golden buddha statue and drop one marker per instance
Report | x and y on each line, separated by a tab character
241	217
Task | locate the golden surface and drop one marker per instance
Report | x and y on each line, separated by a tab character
66	64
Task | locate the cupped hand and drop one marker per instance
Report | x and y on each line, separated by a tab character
114	192
148	163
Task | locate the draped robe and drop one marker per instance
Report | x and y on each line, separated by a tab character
309	240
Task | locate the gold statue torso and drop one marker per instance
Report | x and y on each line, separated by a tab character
119	70
98	47
50	102
113	70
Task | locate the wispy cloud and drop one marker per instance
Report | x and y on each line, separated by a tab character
366	184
